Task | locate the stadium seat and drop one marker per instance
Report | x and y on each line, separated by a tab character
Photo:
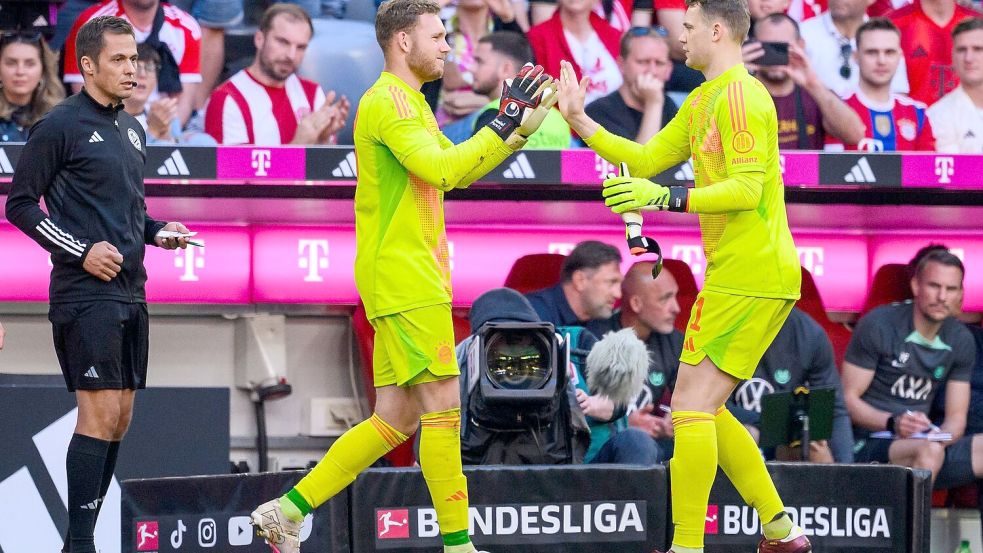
687	289
534	272
890	284
403	455
343	56
812	303
963	497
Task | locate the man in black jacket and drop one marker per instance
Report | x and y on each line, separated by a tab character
86	159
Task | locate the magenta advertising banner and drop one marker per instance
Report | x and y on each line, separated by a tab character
303	264
945	171
583	167
900	247
26	267
216	273
252	163
800	168
838	263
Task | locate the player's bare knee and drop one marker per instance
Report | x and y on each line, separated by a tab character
930	455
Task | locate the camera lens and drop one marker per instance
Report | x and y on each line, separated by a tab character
517	360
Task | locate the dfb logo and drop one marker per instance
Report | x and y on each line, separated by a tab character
945	166
562	248
313	256
710	525
392	523
812	259
261	162
690	255
146	535
189	259
603	167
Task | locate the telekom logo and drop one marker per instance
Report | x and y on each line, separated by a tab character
691	255
812	259
261	161
562	248
313	256
945	166
190	259
603	168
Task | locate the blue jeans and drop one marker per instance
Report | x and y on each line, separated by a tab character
630	447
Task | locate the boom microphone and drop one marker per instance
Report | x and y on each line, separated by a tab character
617	366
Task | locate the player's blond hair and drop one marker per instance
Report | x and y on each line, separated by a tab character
396	16
733	13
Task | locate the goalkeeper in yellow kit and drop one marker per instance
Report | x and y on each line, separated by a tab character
402	269
729	127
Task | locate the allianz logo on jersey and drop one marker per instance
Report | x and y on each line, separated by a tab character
621	521
868	523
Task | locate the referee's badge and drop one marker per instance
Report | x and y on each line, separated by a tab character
134	139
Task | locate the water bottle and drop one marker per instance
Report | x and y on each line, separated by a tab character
964	547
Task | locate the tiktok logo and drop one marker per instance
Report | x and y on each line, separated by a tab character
945	166
313	256
261	162
690	255
812	260
190	259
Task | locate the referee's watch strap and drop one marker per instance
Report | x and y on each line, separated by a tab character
678	198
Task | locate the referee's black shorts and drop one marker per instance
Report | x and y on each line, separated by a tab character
101	344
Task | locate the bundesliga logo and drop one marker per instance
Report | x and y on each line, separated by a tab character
392	524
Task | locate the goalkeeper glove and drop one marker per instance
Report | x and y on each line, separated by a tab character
526	99
623	194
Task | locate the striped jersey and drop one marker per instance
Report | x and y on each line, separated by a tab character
180	32
900	125
244	111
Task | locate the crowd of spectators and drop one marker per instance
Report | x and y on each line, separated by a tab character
872	75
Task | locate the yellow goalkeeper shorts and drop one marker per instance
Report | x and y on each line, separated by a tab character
413	347
733	331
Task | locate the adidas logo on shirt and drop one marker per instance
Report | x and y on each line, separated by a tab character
95	137
174	165
520	169
5	165
91	373
860	172
685	172
347	167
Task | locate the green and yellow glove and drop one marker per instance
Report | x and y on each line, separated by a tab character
623	194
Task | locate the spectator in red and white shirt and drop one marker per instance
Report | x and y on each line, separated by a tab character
894	121
576	34
267	103
926	39
179	34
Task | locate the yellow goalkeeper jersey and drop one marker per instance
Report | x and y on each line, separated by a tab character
405	164
729	127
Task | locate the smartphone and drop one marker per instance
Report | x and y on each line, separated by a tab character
776	53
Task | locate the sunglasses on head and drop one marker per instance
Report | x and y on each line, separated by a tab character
649	31
28	37
845	69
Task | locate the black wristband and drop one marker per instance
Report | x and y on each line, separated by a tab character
890	424
502	125
678	198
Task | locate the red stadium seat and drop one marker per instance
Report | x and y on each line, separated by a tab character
890	284
963	497
687	289
812	303
534	272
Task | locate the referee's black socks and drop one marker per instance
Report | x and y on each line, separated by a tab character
86	465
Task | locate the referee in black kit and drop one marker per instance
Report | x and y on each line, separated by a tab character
86	159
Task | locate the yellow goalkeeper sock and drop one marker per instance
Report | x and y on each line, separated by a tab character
440	459
741	461
352	453
692	469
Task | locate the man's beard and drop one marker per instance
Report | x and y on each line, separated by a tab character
270	70
424	67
